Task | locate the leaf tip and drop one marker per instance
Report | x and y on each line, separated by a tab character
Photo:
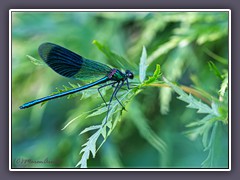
94	41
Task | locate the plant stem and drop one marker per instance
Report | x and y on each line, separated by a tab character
188	90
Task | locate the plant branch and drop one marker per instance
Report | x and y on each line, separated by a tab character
186	89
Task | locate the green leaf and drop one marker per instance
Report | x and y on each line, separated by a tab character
143	65
224	85
91	128
215	56
113	118
192	102
213	68
116	59
206	127
72	120
74	85
35	61
144	129
163	49
104	132
174	66
89	146
98	112
155	76
165	98
209	161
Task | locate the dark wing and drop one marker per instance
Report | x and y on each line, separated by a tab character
70	64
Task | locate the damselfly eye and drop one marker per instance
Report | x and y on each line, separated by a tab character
129	74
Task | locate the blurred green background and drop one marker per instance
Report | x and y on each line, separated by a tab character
181	42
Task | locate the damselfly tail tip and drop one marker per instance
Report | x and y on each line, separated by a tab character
22	107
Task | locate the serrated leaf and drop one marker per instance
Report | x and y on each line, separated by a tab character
143	65
110	122
91	128
157	72
205	127
92	143
90	146
215	107
114	124
192	102
155	76
104	132
83	161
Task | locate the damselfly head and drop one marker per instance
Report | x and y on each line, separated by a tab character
129	74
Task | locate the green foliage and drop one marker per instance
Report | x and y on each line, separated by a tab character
157	130
146	132
108	125
193	103
119	61
155	76
224	85
114	116
207	127
143	66
35	61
